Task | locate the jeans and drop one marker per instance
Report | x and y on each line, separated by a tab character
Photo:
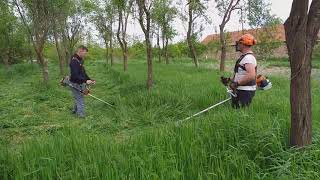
78	107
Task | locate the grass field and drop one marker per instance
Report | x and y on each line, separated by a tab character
284	62
41	139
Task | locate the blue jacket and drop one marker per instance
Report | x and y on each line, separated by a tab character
78	73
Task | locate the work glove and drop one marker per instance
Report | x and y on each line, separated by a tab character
225	81
234	85
90	82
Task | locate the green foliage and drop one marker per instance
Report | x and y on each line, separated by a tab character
316	51
259	16
137	50
181	49
96	53
50	52
200	48
215	45
103	18
222	6
258	12
266	37
163	14
13	39
266	45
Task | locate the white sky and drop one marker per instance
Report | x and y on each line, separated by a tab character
280	8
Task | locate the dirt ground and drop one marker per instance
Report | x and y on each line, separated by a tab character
270	71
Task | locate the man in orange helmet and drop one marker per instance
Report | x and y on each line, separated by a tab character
243	82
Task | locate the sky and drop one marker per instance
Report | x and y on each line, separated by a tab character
281	8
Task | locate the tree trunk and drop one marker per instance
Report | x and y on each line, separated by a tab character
223	49
166	51
301	33
125	60
189	37
146	30
61	58
111	52
111	42
300	92
6	59
300	96
44	66
45	71
66	50
30	56
158	44
107	50
149	61
193	51
122	41
66	56
125	53
30	51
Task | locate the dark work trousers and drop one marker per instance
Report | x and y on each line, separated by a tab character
243	98
78	101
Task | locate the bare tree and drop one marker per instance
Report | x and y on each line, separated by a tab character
59	11
144	17
163	14
124	10
110	29
72	27
101	23
301	29
225	8
196	9
36	18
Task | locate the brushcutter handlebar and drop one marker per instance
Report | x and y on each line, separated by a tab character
225	81
231	92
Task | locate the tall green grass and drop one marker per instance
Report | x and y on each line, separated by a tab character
41	139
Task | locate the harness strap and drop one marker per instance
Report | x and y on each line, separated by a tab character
238	65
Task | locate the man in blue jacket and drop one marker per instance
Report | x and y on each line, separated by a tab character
79	79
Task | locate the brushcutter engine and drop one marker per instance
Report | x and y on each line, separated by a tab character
263	83
82	87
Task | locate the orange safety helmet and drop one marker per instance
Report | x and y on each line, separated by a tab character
248	40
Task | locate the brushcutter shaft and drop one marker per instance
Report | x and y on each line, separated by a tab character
100	100
206	109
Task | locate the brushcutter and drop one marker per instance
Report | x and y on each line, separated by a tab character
82	89
230	93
